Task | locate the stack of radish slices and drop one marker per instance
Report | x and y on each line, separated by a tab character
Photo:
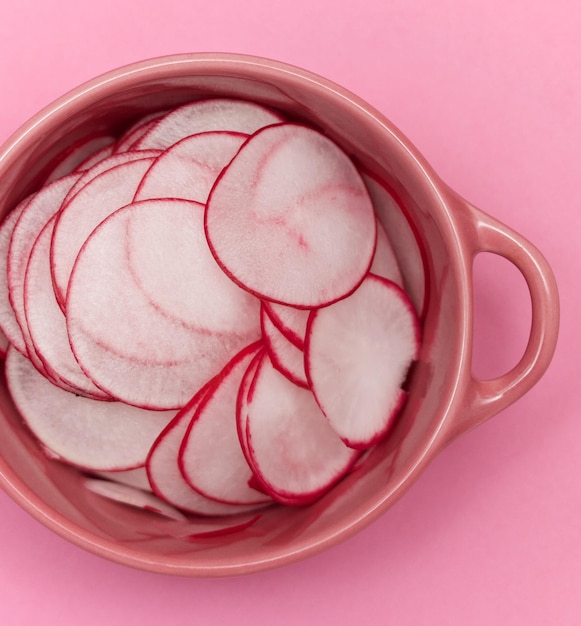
204	314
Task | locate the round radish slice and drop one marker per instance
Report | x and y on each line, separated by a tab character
127	494
88	433
357	355
285	356
404	241
291	322
109	191
164	473
38	212
170	261
293	450
77	153
47	324
108	163
290	219
124	343
189	168
8	322
211	459
214	114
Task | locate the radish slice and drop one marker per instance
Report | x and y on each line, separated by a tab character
108	163
293	450
33	219
210	459
134	477
77	153
170	260
357	355
124	343
290	220
94	158
109	191
127	494
91	434
164	473
8	322
291	322
285	356
46	323
404	240
207	115
189	168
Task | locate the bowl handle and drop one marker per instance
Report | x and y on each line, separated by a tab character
484	398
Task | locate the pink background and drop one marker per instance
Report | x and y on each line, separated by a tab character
490	92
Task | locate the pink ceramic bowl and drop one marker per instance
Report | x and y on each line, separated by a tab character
445	399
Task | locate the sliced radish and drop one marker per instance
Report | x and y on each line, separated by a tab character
214	114
291	322
91	434
8	322
109	191
290	220
189	168
108	163
357	354
134	477
132	134
403	239
170	260
33	219
293	450
164	473
70	159
127	494
46	323
211	460
124	343
285	356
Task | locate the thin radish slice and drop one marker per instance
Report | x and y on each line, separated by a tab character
291	322
136	131
285	356
170	260
94	158
71	158
8	322
189	168
290	219
214	114
124	343
108	163
38	212
404	240
357	355
293	450
164	473
210	458
134	477
127	494
109	191
46	322
91	434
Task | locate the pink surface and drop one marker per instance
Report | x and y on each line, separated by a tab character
490	92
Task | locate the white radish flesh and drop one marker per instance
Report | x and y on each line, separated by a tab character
91	434
290	220
357	355
189	168
293	450
211	459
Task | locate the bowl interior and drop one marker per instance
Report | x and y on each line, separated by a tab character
53	492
